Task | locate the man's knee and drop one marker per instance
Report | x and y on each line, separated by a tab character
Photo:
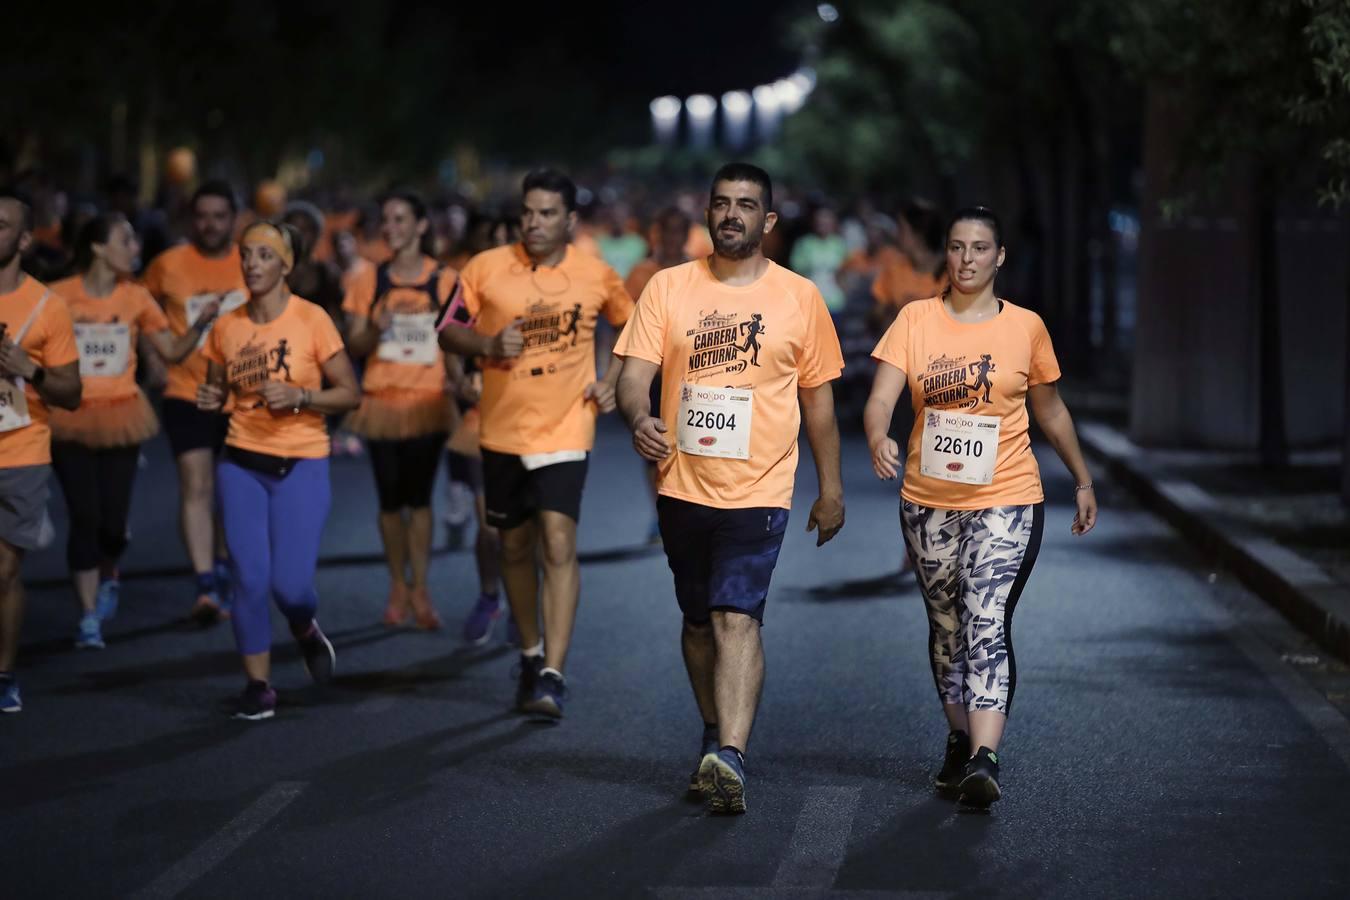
517	544
560	545
730	624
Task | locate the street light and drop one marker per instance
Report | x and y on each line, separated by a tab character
768	109
665	119
701	109
736	106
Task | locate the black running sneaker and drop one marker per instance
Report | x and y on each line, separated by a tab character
979	787
318	654
722	780
954	763
550	690
528	673
257	702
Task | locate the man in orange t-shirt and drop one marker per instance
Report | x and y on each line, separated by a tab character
185	279
739	342
531	310
39	367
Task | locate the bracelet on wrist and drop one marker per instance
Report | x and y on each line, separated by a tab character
1082	487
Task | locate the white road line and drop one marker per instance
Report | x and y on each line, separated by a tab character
221	844
820	839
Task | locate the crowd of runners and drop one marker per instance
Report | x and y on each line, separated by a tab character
271	342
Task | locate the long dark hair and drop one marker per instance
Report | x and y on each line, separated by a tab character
96	231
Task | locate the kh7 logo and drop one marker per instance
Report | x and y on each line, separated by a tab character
955	466
707	440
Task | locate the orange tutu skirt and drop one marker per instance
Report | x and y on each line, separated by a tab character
395	415
123	422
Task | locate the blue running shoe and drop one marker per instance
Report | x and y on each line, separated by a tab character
549	692
105	602
317	653
722	780
258	702
90	636
10	701
478	627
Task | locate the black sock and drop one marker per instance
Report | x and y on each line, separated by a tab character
710	731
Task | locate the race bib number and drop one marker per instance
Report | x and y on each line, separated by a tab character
411	339
959	447
105	350
13	405
228	304
715	421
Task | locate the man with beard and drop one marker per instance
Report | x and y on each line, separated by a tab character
519	312
726	477
185	279
39	367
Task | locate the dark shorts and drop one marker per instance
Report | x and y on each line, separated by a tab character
23	505
465	469
721	558
405	470
513	494
190	428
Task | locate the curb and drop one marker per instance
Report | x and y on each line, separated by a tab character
1299	589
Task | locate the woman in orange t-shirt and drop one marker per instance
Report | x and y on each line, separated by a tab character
96	447
274	354
972	507
405	413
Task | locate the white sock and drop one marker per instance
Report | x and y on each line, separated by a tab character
536	650
554	671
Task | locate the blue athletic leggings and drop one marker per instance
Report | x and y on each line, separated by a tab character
272	529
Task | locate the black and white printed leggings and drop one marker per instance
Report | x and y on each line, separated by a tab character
971	565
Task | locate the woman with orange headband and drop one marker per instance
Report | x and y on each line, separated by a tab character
96	448
274	355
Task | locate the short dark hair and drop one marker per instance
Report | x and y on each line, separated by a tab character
96	231
925	221
412	198
216	188
25	207
554	181
673	214
981	214
743	171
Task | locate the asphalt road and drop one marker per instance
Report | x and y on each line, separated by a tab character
1170	738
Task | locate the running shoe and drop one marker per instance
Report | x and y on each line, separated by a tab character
424	614
90	635
527	674
721	778
708	746
979	788
478	627
317	652
208	610
10	701
257	702
105	601
550	689
954	763
396	612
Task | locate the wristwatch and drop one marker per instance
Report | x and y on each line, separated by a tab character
39	376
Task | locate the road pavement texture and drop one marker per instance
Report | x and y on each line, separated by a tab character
1159	745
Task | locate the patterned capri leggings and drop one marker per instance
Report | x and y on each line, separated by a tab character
971	565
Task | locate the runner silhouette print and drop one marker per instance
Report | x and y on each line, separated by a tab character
753	329
985	366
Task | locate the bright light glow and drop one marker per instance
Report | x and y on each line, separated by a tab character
789	95
701	107
766	98
827	12
736	104
665	109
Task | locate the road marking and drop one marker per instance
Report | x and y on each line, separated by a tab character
220	845
820	839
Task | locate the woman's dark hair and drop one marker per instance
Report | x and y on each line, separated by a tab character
96	231
926	223
420	213
981	214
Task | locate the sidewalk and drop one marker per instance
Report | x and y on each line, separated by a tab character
1285	534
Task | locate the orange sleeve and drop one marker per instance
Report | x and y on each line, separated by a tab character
360	294
327	341
618	304
153	279
822	360
893	347
645	335
1044	366
58	329
150	319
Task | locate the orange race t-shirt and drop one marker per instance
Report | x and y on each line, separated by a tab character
183	280
977	368
129	304
292	348
899	283
49	342
771	337
533	403
403	365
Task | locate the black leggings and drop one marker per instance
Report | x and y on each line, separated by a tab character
405	470
97	484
